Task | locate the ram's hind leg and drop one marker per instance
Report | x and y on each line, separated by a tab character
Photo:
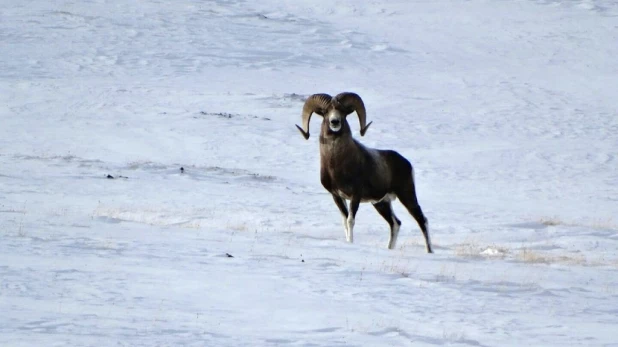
386	210
407	196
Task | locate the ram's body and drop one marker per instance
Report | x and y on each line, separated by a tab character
351	171
348	168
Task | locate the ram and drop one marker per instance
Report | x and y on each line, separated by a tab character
351	171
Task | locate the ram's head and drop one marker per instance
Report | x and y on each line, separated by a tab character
334	111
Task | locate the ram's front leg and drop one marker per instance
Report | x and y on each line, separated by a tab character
354	203
344	212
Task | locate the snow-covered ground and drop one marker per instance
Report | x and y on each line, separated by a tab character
507	109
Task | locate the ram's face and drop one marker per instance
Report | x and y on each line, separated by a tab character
335	120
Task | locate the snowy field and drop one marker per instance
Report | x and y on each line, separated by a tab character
507	109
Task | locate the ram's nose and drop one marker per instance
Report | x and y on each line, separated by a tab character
335	122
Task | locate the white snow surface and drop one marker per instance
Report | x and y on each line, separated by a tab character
507	110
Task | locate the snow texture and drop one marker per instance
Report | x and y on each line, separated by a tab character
507	110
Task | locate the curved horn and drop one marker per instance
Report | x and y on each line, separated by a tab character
317	103
352	102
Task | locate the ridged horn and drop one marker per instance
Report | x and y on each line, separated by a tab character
317	103
351	102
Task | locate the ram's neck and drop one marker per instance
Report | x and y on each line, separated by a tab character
335	151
